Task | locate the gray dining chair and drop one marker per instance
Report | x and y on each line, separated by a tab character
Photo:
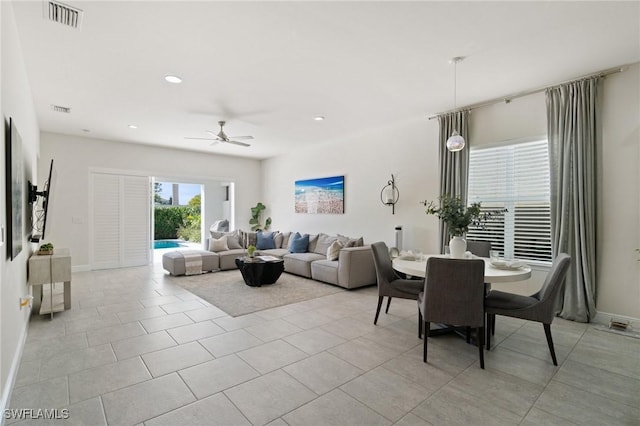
453	294
389	283
479	248
539	307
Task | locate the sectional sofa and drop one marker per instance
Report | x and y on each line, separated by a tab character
348	265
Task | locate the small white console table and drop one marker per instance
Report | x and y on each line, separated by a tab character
50	269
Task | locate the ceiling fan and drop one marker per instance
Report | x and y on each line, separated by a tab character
221	136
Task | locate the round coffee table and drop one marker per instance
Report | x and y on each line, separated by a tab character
257	272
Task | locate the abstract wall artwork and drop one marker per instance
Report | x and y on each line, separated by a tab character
323	195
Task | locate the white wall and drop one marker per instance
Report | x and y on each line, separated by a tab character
74	156
17	104
367	160
409	150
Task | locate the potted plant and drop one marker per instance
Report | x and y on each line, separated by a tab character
255	218
458	218
45	249
251	250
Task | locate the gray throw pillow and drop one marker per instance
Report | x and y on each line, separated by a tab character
323	243
233	241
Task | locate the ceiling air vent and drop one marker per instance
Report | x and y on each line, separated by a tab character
58	108
62	13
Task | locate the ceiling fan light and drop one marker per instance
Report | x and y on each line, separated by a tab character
455	142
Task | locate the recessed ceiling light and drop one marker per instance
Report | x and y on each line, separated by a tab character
133	126
318	118
173	79
86	130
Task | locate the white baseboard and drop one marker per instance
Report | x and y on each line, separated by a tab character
80	268
604	317
13	372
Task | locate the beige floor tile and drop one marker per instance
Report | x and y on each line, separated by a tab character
412	420
28	373
107	378
452	406
323	372
119	307
141	314
307	320
53	393
268	397
235	323
583	407
159	300
230	342
191	332
182	306
271	356
139	345
114	333
385	392
90	324
74	361
335	408
410	366
176	358
204	314
146	400
217	375
314	340
272	330
165	322
215	410
363	353
349	328
83	413
531	369
536	417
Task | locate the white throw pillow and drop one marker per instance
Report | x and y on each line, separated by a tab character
334	250
218	244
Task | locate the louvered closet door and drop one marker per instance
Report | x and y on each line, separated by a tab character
120	220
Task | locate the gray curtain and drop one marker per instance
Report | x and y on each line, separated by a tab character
454	166
573	126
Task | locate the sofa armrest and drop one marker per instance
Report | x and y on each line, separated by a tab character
356	267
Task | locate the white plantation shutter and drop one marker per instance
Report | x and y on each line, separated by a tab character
513	177
120	220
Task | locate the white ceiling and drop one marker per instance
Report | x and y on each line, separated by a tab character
269	67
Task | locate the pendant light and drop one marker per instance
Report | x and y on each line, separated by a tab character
455	142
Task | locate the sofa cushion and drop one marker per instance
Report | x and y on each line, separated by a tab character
323	243
174	261
220	226
351	242
285	239
228	258
325	271
218	244
265	241
233	241
300	263
277	252
299	243
333	251
313	241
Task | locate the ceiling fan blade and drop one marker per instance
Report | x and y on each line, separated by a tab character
217	137
238	143
203	139
241	137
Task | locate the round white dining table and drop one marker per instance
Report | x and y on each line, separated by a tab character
418	268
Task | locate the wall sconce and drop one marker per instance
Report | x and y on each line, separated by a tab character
390	194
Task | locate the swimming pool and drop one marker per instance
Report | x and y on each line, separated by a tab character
165	244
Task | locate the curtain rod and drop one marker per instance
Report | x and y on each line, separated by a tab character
509	98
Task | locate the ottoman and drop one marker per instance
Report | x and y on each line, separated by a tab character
174	261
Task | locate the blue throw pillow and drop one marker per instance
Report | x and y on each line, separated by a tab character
299	243
265	241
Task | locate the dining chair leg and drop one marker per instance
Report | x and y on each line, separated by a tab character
375	321
480	334
468	331
493	325
427	325
489	320
547	332
419	324
388	304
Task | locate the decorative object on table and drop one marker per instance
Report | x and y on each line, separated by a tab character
390	194
458	218
398	235
455	141
322	195
251	251
45	249
255	218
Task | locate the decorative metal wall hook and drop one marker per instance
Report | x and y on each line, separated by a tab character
390	194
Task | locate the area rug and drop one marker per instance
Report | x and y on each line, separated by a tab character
227	291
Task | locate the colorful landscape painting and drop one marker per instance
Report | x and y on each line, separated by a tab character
323	195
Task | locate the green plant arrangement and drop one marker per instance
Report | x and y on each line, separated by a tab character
255	218
251	250
46	248
457	216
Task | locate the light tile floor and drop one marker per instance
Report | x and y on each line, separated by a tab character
137	349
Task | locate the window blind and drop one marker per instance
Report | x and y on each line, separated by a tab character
513	177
